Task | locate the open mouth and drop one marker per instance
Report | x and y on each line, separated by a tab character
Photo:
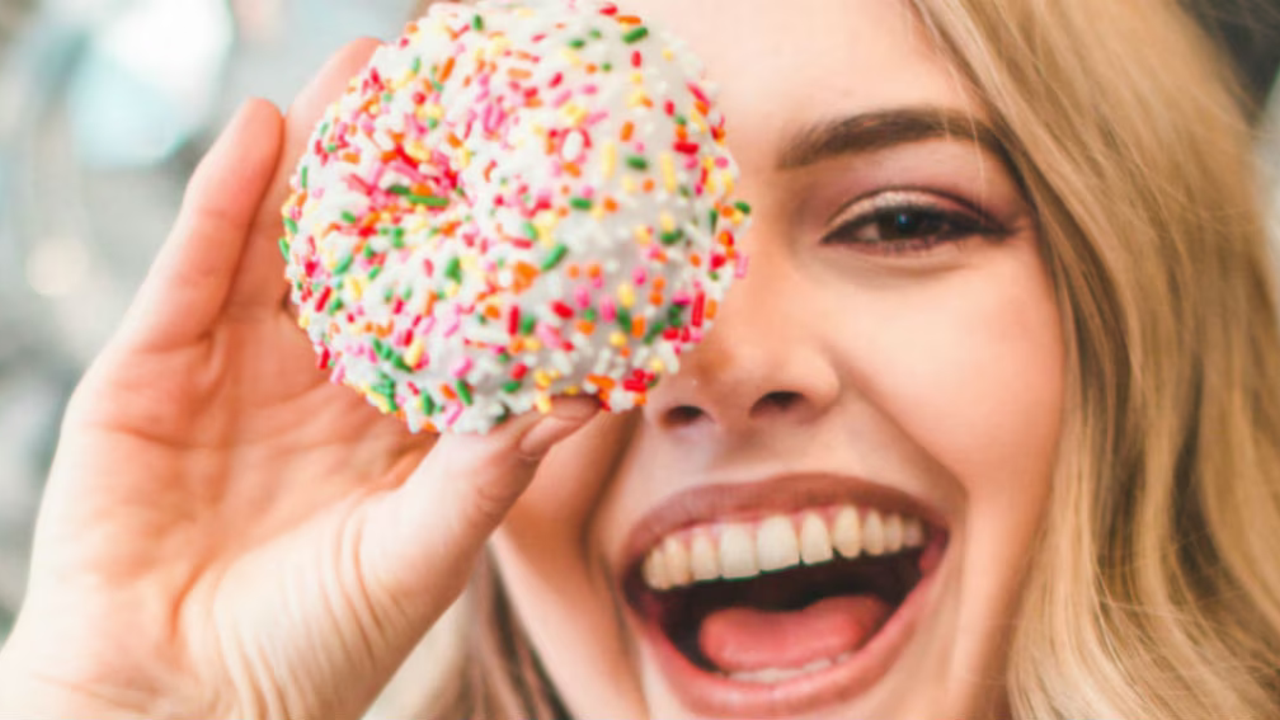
785	600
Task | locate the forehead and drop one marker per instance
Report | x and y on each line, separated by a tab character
785	65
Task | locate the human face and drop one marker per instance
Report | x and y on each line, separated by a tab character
895	348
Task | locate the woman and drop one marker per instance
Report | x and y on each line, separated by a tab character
1009	306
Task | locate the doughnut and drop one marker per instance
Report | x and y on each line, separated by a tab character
516	200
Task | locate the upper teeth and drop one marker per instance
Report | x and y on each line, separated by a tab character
745	550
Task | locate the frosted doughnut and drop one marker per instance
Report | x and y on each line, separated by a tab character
515	200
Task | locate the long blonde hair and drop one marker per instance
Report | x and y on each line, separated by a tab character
1155	592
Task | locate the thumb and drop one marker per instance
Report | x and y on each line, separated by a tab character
421	541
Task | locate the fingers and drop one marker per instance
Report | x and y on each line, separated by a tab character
421	541
188	283
260	282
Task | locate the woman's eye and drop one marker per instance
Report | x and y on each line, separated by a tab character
898	227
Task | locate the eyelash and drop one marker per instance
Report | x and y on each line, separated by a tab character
908	222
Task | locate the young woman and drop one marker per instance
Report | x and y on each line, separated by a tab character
1009	339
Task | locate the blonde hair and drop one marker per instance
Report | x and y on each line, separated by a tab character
1155	593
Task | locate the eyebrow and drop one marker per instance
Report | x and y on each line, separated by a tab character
868	132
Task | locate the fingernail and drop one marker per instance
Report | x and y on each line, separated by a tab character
567	415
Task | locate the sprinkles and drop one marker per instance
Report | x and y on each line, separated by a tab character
513	201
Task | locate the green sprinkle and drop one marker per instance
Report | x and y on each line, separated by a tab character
672	237
399	362
349	217
637	162
399	190
715	218
744	208
675	316
577	43
624	319
477	23
417	65
375	272
554	257
681	119
432	123
369	252
429	406
284	248
342	267
431	201
580	203
595	33
397	238
530	231
527	324
512	386
336	305
464	392
590	314
380	349
636	34
453	270
655	332
607	67
302	178
331	148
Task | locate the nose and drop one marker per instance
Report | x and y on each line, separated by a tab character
765	361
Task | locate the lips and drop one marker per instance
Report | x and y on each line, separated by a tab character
780	596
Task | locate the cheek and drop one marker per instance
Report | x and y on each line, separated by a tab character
971	367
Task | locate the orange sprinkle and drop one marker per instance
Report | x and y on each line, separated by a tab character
648	185
642	400
610	205
591	68
709	312
573	169
628	129
593	271
637	328
586	327
492	312
453	141
534	102
573	271
603	382
447	70
516	73
655	298
629	20
695	260
351	157
448	392
659	283
525	274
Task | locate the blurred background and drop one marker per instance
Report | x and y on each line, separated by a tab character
105	107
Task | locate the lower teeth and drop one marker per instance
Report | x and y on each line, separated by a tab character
777	676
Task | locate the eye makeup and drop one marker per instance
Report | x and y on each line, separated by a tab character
908	221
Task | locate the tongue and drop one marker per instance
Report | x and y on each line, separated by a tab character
742	639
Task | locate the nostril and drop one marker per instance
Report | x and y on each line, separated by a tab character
777	402
683	415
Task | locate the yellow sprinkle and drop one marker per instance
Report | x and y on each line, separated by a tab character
453	290
532	345
608	159
542	379
464	157
668	172
637	98
304	321
626	295
637	77
658	366
413	355
668	222
570	57
545	223
573	113
667	54
354	287
573	391
644	236
543	403
617	339
597	211
628	185
727	179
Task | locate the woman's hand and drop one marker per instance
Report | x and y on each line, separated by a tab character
225	533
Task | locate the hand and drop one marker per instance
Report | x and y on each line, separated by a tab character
226	533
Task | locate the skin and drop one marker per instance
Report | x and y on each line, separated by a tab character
938	373
225	534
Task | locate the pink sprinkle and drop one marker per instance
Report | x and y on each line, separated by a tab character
583	296
559	100
453	413
463	367
608	311
640	276
722	162
740	267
